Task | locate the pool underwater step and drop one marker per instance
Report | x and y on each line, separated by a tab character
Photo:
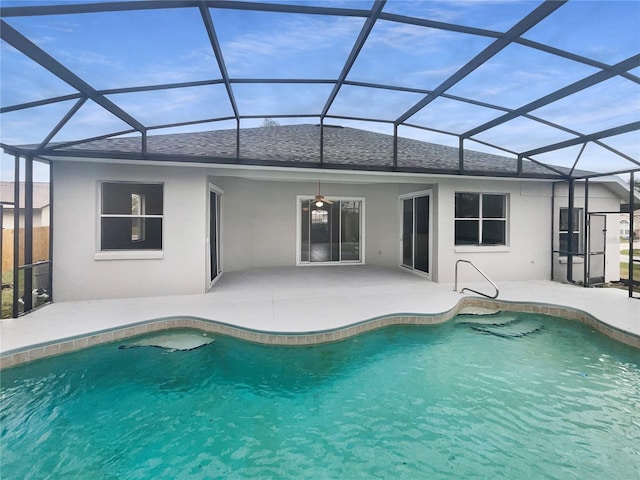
511	329
176	341
499	324
492	320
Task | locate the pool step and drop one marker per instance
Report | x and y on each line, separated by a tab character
172	341
505	327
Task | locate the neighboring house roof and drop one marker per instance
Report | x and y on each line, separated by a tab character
40	194
299	146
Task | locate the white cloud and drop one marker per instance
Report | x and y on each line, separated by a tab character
286	38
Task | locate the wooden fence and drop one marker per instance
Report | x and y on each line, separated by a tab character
40	246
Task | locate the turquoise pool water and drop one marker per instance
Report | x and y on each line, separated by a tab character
528	397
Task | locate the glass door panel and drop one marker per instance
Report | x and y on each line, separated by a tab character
415	233
407	233
330	233
350	231
305	227
421	253
214	233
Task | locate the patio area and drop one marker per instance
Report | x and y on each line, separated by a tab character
304	300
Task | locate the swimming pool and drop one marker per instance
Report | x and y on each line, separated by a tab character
509	396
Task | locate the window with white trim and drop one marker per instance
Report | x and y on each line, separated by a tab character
624	228
131	216
577	239
480	218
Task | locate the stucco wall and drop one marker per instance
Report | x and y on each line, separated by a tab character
526	257
259	227
259	219
78	275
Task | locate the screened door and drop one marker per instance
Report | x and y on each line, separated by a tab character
331	233
597	236
415	233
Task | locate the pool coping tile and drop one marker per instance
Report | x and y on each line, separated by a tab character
34	352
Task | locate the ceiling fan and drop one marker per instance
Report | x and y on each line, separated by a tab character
319	200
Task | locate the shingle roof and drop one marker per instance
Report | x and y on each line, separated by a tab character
299	145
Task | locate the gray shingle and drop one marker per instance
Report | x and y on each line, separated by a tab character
301	144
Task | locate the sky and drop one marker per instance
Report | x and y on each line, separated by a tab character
128	49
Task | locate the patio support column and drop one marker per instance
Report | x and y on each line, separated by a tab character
553	226
144	143
321	141
16	235
395	146
587	234
237	138
460	155
570	232
28	233
519	165
631	227
51	227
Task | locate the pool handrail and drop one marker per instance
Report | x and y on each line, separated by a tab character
455	286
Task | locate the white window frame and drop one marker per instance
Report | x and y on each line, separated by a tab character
624	228
506	247
579	216
126	254
302	198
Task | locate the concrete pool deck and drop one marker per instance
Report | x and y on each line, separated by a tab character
303	300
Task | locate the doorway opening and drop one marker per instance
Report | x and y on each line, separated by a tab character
416	232
214	232
330	232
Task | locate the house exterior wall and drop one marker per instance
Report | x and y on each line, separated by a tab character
258	227
259	219
78	275
40	217
526	255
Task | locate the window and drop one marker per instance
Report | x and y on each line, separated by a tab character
624	228
480	219
575	231
331	233
131	216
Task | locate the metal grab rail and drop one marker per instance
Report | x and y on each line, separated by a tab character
455	287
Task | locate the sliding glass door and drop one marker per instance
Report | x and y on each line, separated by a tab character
416	232
331	233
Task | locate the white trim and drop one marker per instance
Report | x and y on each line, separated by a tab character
507	224
129	255
301	198
482	249
212	188
142	254
260	172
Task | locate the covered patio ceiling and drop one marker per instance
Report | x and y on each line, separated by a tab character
553	83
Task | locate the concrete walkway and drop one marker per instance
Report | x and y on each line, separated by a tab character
300	300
